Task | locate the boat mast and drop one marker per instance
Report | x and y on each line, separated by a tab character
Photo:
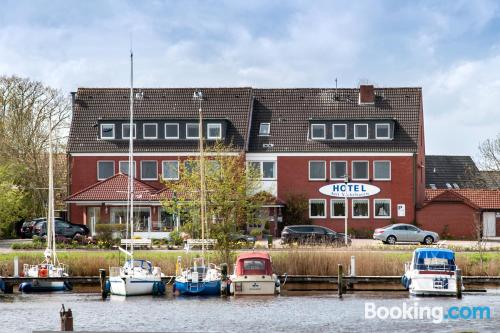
199	96
130	194
51	236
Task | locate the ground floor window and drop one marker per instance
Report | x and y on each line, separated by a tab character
142	217
317	208
360	208
337	208
93	218
382	208
167	221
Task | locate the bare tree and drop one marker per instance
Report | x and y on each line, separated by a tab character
490	154
25	109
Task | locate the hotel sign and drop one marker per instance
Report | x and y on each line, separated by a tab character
349	190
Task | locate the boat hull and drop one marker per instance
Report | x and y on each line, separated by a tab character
207	288
134	286
432	285
44	286
254	285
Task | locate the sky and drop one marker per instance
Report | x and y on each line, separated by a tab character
449	48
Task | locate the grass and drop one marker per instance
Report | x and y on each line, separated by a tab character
292	262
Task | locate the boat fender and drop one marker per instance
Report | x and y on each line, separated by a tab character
158	288
25	287
107	287
68	285
2	285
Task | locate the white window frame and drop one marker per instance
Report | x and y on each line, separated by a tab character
163	169
390	170
156	173
219	126
133	166
324	132
275	170
99	161
134	130
262	133
144	131
309	171
375	210
356	137
114	132
331	173
388	131
192	137
345	131
172	137
316	201
332	201
353	201
367	169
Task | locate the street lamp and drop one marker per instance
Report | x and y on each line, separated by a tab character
346	211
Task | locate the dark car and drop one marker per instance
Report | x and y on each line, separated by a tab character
27	227
312	234
242	238
63	228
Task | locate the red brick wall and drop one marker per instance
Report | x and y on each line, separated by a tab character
458	217
293	177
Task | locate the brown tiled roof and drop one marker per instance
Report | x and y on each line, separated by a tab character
289	112
96	104
484	199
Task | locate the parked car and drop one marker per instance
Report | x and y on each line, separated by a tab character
63	228
312	234
27	227
401	232
248	240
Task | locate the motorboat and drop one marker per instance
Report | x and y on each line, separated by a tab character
199	279
431	272
253	275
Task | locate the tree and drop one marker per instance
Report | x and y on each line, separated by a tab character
25	108
489	151
230	189
296	208
12	201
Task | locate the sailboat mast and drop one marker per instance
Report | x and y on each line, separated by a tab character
131	157
51	237
202	176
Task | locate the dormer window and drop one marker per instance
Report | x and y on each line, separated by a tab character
192	131
382	131
264	129
126	131
360	131
107	131
339	131
214	131
172	131
150	131
318	131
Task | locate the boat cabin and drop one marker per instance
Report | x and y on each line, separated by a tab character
254	263
426	259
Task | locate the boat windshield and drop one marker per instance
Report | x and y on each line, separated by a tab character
254	267
144	264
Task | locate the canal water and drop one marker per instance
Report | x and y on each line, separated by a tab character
285	313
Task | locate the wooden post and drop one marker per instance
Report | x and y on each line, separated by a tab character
459	283
353	266
16	266
102	280
339	280
66	319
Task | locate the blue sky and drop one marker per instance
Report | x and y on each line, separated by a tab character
449	48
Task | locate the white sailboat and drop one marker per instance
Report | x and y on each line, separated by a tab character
136	276
50	267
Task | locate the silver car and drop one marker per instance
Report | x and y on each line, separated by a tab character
405	233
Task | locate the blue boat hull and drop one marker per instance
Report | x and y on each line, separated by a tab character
33	287
200	288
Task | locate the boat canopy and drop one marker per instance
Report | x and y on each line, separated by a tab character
254	263
435	253
144	264
434	259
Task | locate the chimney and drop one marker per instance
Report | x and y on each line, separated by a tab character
73	98
366	94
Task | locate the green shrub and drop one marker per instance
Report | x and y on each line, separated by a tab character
256	232
175	238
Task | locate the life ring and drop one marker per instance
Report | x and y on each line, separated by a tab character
43	272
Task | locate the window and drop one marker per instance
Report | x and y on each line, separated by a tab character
171	131
149	170
317	208
382	208
337	208
192	131
339	131
317	170
360	170
124	167
190	166
338	169
213	167
214	131
126	131
265	169
150	131
318	131
361	131
382	131
107	131
382	170
360	208
264	129
170	170
105	169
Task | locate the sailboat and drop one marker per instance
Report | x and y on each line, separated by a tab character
199	279
50	267
136	276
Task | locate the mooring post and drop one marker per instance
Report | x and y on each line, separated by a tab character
16	266
353	266
459	283
66	319
102	280
339	280
224	290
